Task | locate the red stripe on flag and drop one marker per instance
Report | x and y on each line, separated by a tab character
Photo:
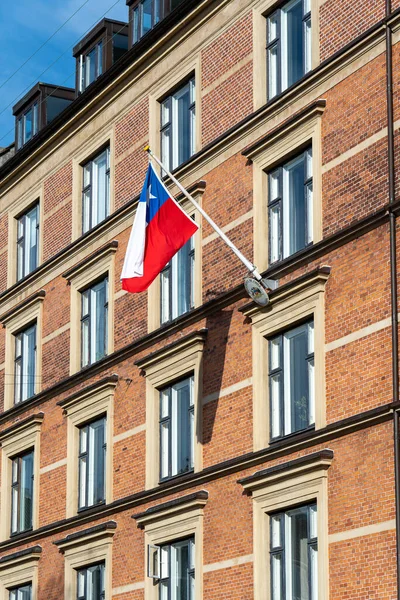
166	233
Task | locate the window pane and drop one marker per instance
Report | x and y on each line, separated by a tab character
28	125
82	480
276	387
26	492
294	206
165	295
275	350
184	283
135	25
99	66
292	16
35	126
298	374
164	399
164	448
183	432
276	531
273	27
81	583
309	205
85	343
179	569
299	552
146	16
165	148
276	574
307	46
100	325
272	71
99	460
14	515
275	229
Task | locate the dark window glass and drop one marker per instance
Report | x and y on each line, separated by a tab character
28	124
294	554
291	380
120	45
22	493
94	322
22	592
91	66
145	15
176	428
288	45
25	364
54	106
96	190
178	120
177	581
27	242
177	284
90	583
92	463
290	204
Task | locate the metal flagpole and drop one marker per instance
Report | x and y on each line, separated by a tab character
267	283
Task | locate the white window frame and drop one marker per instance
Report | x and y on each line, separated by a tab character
169	423
90	190
24	241
89	332
279	371
169	121
170	284
88	457
277	39
84	71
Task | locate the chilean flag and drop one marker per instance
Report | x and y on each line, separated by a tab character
160	229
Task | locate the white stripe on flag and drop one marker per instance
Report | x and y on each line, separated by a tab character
133	263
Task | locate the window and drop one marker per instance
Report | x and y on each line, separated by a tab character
25	364
91	66
120	45
290	206
178	126
293	554
290	512
147	13
94	322
96	190
22	493
175	570
288	45
90	584
28	125
92	463
291	380
23	592
88	562
176	428
177	284
27	242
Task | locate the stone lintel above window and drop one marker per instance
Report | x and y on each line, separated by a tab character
320	460
102	531
21	556
91	260
172	507
21	427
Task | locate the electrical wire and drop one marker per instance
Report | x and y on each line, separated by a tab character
28	87
60	85
44	43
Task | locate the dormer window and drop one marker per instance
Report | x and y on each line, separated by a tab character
145	14
91	66
28	125
37	108
98	51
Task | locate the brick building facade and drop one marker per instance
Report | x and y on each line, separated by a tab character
283	486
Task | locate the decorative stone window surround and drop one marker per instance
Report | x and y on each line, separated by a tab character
274	149
162	367
16	319
171	521
93	145
154	309
290	304
90	270
84	548
22	205
282	487
19	568
170	81
15	440
261	9
82	407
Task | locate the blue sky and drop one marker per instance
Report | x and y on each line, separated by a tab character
24	26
